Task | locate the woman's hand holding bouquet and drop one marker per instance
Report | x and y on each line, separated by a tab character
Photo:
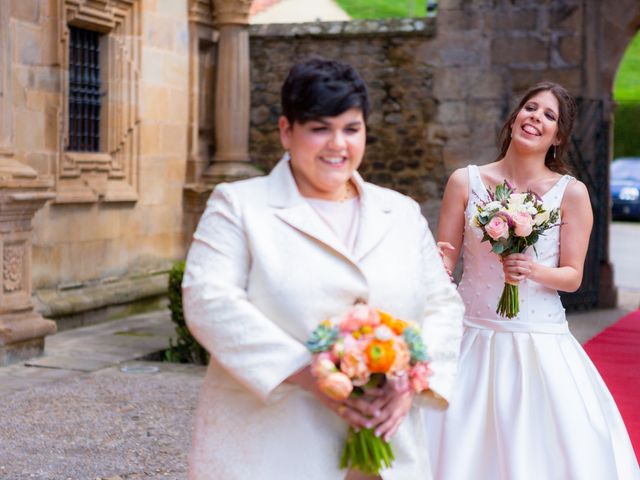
512	222
371	364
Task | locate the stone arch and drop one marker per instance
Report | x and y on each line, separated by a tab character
619	23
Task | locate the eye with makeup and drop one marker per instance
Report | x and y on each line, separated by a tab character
532	107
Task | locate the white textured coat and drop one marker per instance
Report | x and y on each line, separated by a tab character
262	272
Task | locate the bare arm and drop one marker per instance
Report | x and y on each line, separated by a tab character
452	218
577	220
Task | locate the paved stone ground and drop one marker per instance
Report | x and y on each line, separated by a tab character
88	410
105	424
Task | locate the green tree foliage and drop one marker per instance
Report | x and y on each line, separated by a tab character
626	129
627	85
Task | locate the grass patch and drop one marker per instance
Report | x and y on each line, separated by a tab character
627	84
373	9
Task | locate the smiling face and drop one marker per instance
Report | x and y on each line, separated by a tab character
535	127
325	152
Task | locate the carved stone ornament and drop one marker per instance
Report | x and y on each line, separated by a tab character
12	267
201	12
232	12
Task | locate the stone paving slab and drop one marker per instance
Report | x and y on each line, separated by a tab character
79	364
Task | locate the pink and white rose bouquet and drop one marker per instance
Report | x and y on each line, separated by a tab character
364	348
512	222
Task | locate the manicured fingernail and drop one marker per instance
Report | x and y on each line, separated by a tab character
369	424
377	433
377	413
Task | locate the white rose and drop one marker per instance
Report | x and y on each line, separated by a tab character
542	217
495	205
383	333
517	198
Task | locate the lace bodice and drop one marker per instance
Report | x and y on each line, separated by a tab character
483	278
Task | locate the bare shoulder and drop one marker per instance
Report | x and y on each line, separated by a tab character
458	180
576	193
576	204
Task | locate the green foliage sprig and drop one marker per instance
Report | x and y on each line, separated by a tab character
186	348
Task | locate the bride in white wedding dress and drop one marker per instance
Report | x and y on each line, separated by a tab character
527	403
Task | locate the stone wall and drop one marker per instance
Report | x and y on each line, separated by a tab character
91	231
487	53
402	151
440	88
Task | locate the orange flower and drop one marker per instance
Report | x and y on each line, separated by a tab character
394	324
386	318
380	356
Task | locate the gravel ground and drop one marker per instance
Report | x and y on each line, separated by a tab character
103	425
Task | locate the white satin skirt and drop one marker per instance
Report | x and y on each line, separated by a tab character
528	405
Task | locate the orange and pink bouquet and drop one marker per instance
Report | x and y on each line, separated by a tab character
364	348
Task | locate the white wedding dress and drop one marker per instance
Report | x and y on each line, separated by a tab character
528	403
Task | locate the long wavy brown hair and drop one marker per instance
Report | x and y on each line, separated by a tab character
566	118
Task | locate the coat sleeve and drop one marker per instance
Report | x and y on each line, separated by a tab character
253	349
442	327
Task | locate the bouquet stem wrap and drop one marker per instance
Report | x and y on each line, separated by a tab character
366	452
509	304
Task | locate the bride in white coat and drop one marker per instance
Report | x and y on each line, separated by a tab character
274	256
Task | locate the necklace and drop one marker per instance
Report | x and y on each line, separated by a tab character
350	191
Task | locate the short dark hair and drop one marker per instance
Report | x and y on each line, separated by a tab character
317	88
555	157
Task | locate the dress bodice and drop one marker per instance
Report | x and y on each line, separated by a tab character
483	279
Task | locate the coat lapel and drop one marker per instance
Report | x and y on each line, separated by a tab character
375	219
295	211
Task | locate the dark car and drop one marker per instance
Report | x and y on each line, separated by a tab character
625	187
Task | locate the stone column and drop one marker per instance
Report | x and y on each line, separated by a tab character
233	94
22	194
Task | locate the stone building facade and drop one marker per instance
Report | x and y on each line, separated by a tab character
188	96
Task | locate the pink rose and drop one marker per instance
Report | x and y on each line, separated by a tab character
342	345
403	357
359	316
418	377
354	366
497	228
322	365
523	224
335	385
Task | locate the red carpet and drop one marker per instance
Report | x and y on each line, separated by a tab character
616	354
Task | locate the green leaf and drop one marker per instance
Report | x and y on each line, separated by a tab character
497	248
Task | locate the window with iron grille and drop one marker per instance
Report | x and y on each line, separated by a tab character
84	90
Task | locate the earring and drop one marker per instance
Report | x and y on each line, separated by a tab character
554	151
